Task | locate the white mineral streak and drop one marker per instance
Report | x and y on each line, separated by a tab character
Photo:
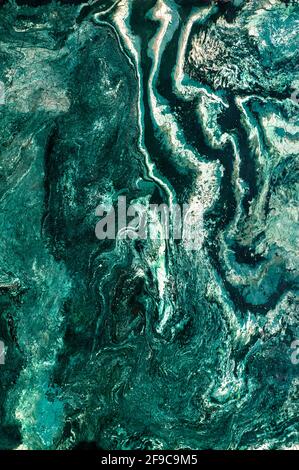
132	44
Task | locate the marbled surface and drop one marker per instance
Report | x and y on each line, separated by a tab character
144	344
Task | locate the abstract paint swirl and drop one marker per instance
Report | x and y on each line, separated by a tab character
143	344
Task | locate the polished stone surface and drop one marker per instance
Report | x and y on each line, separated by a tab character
143	344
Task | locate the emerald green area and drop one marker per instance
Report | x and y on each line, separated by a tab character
144	344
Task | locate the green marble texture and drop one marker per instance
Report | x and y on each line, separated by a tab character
142	344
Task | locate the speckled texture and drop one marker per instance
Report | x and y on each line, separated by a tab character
143	344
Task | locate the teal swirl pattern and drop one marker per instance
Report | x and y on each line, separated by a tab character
143	344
